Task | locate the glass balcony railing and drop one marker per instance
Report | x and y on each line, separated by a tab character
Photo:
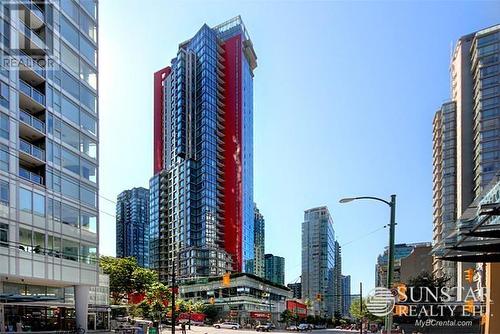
30	176
32	92
31	63
34	9
33	36
32	121
32	150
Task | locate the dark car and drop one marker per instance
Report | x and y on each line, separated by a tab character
265	327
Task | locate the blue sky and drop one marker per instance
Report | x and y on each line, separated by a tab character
344	95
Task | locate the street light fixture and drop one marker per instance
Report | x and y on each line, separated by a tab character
392	226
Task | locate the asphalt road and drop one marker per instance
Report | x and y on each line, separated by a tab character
212	330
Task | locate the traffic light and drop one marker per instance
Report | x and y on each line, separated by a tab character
212	300
226	279
469	306
319	297
469	275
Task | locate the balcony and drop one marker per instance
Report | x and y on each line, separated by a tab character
31	98
33	155
30	126
30	176
31	40
30	69
36	14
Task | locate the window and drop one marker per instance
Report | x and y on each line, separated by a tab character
87	50
88	26
70	250
88	254
38	242
70	59
70	215
88	196
88	75
90	6
88	98
70	84
69	32
88	170
70	188
24	239
70	8
54	246
4	235
4	158
89	147
70	136
4	94
25	203
88	123
89	221
70	161
4	126
39	204
4	192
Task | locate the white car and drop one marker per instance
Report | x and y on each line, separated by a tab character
230	325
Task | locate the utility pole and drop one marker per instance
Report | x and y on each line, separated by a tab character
173	296
361	307
390	266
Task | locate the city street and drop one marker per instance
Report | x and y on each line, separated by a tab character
212	330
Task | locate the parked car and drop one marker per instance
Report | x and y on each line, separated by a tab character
322	326
304	327
265	327
226	324
291	328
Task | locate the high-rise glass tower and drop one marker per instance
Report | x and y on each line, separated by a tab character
203	154
318	259
274	267
259	243
466	137
48	162
132	225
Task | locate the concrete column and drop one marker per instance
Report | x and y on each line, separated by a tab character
492	325
81	306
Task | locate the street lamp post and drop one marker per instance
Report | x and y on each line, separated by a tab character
392	230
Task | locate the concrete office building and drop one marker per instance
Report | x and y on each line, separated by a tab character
248	299
466	138
132	225
48	163
318	260
274	267
202	192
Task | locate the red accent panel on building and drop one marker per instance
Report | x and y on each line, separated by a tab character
158	119
233	219
297	307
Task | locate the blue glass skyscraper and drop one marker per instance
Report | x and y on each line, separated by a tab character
132	225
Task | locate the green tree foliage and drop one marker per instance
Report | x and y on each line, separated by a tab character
211	312
125	276
155	301
286	316
357	314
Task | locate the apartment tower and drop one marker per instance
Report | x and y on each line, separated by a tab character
318	259
259	243
466	137
132	225
203	155
48	163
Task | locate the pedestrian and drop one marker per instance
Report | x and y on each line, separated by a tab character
183	328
